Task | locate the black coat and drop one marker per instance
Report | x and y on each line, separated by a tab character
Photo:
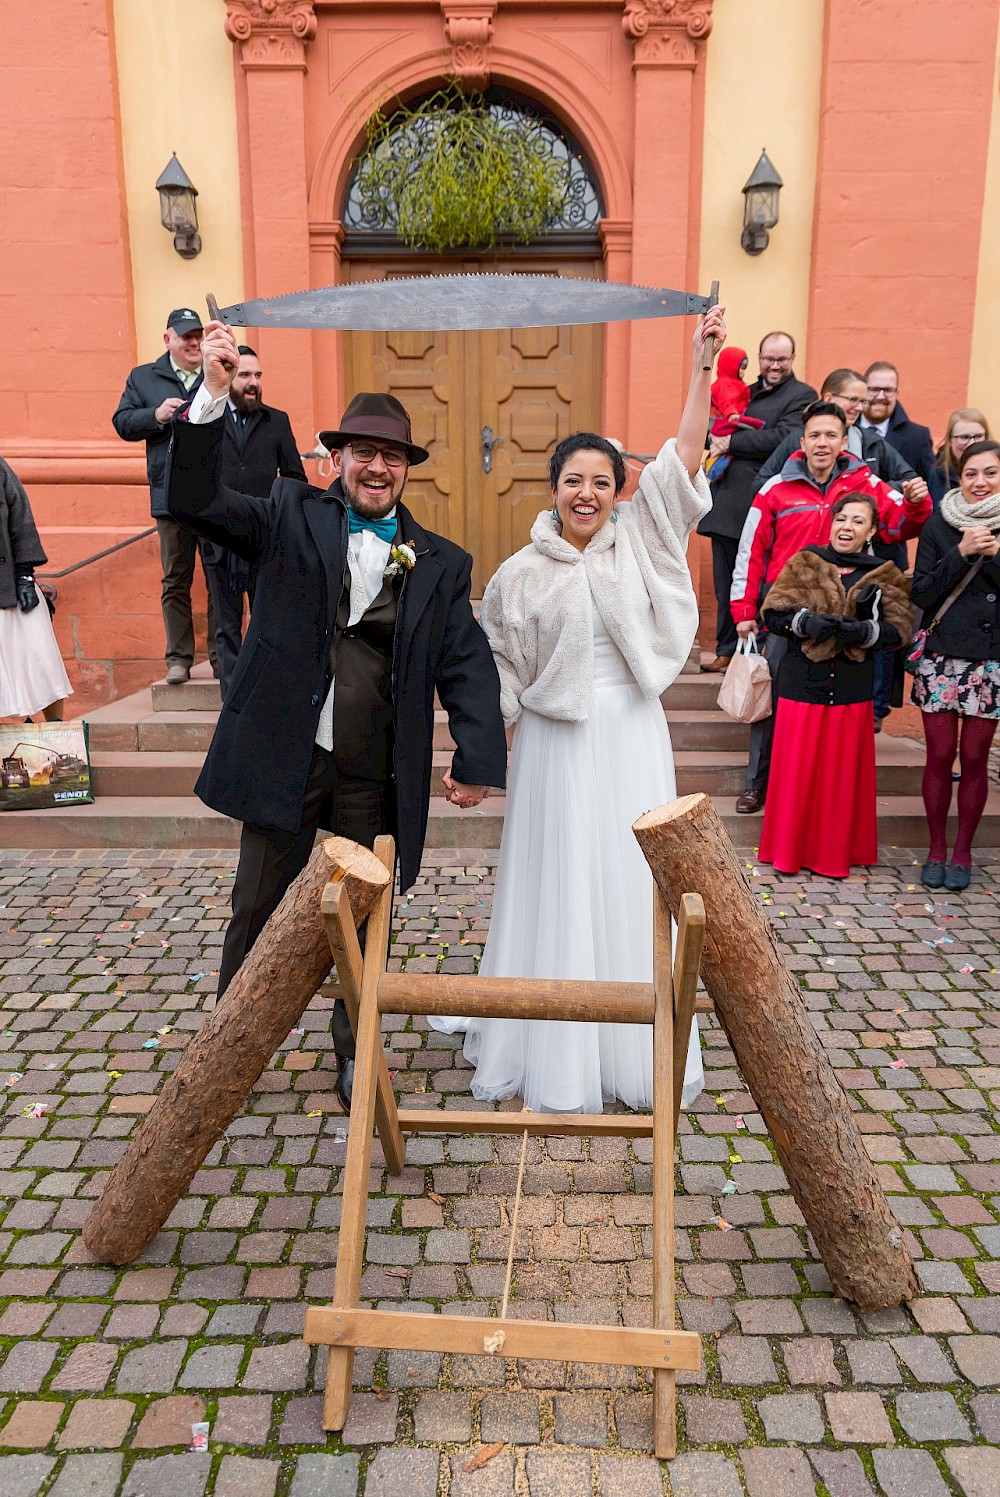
147	387
253	456
20	548
780	407
913	443
970	630
259	759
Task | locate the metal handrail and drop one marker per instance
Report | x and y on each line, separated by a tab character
120	546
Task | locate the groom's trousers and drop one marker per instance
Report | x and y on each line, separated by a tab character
270	860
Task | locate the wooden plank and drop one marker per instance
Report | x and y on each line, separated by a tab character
544	1340
556	1124
516	998
342	935
664	1382
687	965
354	1211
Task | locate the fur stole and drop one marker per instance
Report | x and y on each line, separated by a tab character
807	581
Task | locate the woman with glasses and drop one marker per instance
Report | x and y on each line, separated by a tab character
965	426
849	389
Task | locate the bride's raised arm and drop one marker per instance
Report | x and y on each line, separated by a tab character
694	417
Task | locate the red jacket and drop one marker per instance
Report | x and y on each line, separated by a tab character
792	512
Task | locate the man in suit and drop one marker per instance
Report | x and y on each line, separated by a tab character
360	615
153	392
886	417
259	447
777	399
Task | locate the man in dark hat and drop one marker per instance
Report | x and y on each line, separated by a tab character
360	616
153	392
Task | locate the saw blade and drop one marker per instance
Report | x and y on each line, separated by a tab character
463	303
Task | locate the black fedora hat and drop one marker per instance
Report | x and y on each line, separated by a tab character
380	417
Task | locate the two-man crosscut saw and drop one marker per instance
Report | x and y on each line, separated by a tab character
463	303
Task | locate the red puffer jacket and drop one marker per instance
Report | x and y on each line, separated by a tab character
792	512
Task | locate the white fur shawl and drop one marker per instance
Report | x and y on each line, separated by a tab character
537	608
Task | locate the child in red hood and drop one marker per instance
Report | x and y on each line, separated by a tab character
730	397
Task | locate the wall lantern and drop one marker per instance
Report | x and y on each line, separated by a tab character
178	209
760	205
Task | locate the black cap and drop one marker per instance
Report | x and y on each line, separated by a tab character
183	320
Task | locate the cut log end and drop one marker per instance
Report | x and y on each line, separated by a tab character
675	810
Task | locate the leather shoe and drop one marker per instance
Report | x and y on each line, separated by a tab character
749	803
177	675
932	874
718	665
345	1080
957	876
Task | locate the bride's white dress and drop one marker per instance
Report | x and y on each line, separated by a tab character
574	897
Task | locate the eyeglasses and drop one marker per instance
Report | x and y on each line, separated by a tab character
776	358
965	438
883	389
855	402
365	452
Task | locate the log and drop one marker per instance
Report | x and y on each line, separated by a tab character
783	1063
288	962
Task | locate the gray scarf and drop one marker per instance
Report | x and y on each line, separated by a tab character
963	516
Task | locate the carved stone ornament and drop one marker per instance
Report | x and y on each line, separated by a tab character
693	17
468	27
272	33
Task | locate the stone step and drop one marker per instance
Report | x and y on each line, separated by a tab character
183	822
153	772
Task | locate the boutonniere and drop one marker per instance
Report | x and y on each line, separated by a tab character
401	559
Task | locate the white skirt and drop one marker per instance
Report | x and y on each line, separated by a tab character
574	899
32	674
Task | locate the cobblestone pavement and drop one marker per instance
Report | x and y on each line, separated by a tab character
107	965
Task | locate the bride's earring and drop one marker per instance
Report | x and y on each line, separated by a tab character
555	515
614	517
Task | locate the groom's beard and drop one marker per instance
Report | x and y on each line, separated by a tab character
366	504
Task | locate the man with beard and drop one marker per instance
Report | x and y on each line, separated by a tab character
360	616
258	448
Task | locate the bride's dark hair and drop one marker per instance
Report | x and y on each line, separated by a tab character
587	441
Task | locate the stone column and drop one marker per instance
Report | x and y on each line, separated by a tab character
272	38
668	36
616	242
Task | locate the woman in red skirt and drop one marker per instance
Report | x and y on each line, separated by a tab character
836	605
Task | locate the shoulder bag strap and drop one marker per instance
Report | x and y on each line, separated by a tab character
956	592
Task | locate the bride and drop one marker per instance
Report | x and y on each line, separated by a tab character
589	625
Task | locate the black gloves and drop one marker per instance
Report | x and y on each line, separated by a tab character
815	626
861	632
24	587
868	602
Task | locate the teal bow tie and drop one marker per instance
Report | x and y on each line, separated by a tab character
384	529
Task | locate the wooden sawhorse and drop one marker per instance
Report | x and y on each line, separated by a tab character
370	991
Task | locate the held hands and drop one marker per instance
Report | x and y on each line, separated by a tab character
165	410
711	326
978	541
27	595
220	357
465	796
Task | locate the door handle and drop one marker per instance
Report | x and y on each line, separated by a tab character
489	442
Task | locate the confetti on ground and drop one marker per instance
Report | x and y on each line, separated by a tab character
729	1189
117	1075
736	1159
318	1113
723	1225
35	1110
897	1065
199	1436
13	1078
151	1045
167	1029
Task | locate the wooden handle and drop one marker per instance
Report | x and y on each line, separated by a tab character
711	349
216	316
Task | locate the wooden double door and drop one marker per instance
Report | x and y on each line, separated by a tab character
489	406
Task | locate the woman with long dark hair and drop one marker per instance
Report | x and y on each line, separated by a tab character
956	685
32	675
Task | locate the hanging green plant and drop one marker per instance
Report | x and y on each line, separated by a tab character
456	173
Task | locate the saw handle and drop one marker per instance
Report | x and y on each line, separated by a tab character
216	316
711	349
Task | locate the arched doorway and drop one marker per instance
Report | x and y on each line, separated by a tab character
490	406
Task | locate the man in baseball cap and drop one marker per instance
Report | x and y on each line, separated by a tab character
153	392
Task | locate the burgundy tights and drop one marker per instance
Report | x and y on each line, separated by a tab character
941	732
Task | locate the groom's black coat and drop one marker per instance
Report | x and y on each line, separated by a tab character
259	760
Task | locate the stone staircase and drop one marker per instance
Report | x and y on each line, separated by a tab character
147	750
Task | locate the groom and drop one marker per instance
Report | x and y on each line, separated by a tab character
360	616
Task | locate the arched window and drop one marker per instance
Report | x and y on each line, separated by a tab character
370	225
